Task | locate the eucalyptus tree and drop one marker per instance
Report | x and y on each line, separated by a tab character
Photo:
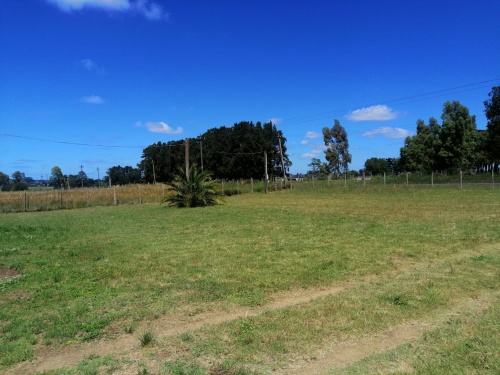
492	112
57	178
337	148
421	151
458	137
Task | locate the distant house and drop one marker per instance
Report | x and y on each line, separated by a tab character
296	177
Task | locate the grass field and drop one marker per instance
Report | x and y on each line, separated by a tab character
399	279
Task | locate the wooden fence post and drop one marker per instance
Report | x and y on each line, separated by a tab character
115	202
266	177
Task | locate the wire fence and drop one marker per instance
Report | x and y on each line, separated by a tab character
50	199
415	179
45	200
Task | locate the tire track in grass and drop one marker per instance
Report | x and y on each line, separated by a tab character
343	354
49	359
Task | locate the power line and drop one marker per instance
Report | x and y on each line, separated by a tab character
84	144
394	102
64	142
296	120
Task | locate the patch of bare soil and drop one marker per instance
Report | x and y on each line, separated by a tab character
7	272
343	354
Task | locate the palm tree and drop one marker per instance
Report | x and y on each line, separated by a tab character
193	189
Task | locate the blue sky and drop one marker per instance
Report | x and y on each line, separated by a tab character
93	82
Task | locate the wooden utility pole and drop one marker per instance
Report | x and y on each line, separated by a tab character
201	153
98	179
186	156
282	161
81	173
265	172
154	174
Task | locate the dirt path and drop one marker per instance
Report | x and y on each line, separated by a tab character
55	358
343	354
173	324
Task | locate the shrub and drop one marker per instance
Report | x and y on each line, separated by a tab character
193	189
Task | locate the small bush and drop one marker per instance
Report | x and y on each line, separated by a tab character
230	191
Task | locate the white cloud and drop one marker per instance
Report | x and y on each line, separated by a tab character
91	66
312	135
88	64
93	99
312	154
160	127
387	132
373	113
276	121
304	142
147	8
150	10
69	5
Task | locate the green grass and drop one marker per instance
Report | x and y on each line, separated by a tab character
94	365
85	272
468	344
301	331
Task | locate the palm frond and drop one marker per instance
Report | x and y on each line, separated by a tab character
193	189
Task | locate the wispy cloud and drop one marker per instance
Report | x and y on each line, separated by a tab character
276	120
373	113
304	142
147	8
159	127
313	153
93	99
387	132
312	135
91	66
152	11
69	5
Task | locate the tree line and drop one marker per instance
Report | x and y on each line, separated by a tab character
456	144
18	182
453	145
225	152
236	152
